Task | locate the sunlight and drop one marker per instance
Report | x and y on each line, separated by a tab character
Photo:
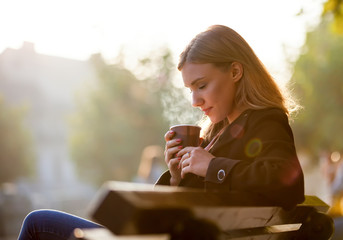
76	29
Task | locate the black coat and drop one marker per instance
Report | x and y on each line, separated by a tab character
256	154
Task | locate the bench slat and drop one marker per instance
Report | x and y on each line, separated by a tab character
134	209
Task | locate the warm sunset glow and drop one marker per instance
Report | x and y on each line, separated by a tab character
76	28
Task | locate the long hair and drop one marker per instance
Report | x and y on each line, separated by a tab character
221	45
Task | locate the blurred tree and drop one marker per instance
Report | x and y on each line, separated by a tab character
318	83
122	115
334	8
16	152
114	123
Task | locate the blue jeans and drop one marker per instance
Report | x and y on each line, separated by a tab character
52	225
338	234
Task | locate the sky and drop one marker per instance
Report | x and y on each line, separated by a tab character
75	29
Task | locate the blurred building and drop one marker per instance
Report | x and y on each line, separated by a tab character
151	165
46	85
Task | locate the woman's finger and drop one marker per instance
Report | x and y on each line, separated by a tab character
185	162
185	170
171	153
184	159
173	142
169	135
185	150
173	163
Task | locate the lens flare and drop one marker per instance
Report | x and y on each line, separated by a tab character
335	156
253	147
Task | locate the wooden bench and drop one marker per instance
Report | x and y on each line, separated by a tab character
139	211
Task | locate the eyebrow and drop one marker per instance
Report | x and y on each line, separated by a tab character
196	80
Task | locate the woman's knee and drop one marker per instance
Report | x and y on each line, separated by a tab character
35	216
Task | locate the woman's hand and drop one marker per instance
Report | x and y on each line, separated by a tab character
194	160
171	149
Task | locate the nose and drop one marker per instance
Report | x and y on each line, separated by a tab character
197	100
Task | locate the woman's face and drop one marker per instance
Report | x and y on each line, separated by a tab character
213	89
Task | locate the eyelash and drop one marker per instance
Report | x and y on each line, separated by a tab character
201	87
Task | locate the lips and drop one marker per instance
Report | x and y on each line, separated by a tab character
206	110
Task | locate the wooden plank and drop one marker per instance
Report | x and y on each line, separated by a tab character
105	234
134	209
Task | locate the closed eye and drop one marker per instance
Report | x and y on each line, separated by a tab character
202	86
199	86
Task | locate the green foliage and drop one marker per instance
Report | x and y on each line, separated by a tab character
334	8
318	83
16	152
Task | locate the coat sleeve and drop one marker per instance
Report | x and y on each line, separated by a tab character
268	163
164	179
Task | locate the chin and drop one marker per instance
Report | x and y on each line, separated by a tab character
215	120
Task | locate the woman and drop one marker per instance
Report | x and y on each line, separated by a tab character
247	146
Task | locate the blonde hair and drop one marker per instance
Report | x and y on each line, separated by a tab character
221	46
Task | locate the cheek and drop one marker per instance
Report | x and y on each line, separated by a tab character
225	95
222	93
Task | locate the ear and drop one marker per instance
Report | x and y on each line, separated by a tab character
236	71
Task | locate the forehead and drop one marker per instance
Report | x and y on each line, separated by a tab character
196	71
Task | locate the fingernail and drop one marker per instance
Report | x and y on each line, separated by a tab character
171	132
178	140
179	147
179	158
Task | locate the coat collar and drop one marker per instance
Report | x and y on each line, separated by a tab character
234	131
